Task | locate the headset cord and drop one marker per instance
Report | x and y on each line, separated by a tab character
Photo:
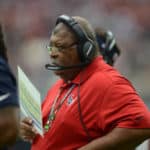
81	116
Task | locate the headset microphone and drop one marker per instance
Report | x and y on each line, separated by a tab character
53	67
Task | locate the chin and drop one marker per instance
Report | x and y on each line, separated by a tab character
59	72
62	74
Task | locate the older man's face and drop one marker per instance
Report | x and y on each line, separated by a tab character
63	49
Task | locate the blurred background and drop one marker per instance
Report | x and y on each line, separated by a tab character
28	25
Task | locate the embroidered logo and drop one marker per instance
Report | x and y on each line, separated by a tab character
71	99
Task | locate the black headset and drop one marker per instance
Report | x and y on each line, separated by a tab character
86	47
108	46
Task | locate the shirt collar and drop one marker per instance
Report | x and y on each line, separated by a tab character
85	73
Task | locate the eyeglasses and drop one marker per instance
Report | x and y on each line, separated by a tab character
60	48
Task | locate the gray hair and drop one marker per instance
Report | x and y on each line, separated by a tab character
89	31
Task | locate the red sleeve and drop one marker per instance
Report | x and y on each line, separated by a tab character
122	107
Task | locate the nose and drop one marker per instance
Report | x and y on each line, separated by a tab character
53	53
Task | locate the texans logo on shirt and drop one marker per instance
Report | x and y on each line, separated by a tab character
71	99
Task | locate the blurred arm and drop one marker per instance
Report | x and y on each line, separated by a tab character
119	138
9	125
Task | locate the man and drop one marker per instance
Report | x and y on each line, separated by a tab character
92	106
9	111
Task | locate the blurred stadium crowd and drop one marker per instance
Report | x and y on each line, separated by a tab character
28	25
29	22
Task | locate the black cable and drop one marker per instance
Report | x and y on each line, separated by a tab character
81	116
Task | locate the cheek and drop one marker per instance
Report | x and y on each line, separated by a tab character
71	58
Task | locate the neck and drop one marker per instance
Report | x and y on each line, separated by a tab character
70	75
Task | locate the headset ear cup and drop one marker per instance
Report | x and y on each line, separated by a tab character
80	52
88	50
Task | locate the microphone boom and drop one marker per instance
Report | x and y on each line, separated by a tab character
53	67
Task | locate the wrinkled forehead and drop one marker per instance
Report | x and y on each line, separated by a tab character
62	31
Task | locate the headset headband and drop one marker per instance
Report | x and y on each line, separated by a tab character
74	26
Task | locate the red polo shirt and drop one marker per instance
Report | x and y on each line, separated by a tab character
107	100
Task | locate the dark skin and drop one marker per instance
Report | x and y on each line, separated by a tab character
9	125
125	138
62	38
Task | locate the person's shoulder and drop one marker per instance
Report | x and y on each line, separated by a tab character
117	82
103	72
100	80
108	76
111	74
